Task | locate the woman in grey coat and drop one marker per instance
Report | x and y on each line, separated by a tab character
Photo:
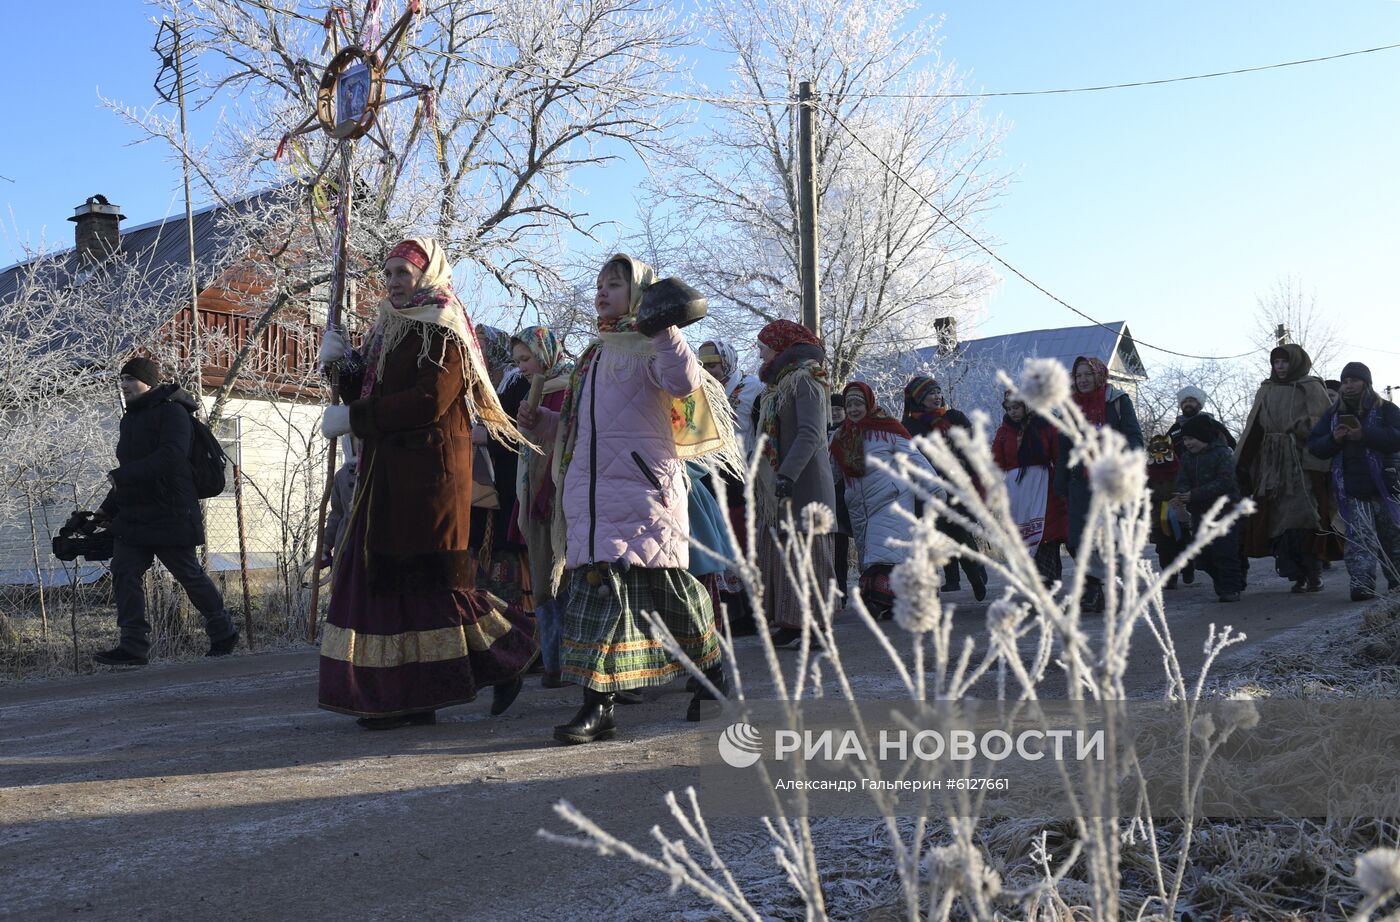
794	474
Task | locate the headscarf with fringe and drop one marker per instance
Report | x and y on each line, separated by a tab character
631	351
435	308
546	349
848	447
534	483
728	359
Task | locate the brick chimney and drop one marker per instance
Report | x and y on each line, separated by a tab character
97	235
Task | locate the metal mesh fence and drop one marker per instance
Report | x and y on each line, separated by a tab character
54	614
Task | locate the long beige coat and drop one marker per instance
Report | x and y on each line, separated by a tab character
1273	448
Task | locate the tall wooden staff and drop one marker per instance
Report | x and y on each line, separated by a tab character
351	93
338	273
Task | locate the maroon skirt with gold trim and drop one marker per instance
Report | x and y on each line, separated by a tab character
384	654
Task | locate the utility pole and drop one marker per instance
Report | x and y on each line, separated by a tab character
807	207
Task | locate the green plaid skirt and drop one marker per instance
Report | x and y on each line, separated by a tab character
607	645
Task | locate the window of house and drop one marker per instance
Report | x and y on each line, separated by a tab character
229	432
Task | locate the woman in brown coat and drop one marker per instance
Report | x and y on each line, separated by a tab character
408	632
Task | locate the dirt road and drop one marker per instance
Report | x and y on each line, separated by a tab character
217	790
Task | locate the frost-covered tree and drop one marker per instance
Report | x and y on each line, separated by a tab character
1229	385
1292	305
889	264
522	94
65	329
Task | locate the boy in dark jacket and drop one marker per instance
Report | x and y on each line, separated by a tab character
1360	433
1208	473
154	513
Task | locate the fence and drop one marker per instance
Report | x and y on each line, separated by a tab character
54	615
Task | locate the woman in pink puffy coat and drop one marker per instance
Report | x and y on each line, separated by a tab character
624	522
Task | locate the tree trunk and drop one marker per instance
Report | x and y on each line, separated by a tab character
38	576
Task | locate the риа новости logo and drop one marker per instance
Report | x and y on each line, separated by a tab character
741	745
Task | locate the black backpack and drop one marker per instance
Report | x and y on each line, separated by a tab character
207	460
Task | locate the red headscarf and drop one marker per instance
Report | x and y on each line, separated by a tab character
781	335
848	447
1094	403
410	251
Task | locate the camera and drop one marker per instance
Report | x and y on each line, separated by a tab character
83	535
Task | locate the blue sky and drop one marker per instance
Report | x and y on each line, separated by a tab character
1170	207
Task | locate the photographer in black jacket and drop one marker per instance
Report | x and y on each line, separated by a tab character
154	514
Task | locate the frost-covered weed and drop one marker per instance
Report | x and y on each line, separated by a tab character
1034	633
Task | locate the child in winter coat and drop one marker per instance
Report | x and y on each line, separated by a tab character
618	461
1208	473
1171	526
536	352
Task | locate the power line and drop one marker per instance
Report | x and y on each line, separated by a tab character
1006	265
757	101
1125	86
1370	349
788	101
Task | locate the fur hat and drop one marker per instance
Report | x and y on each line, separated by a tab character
1358	371
1191	390
144	369
1199	427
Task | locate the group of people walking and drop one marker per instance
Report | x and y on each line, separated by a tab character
504	509
607	467
1318	458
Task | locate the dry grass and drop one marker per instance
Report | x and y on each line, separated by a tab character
1283	869
28	651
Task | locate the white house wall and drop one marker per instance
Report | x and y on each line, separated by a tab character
282	456
273	449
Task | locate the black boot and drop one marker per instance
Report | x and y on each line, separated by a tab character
698	708
1092	602
978	577
503	695
119	657
952	582
594	721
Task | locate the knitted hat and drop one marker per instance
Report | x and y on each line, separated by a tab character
1193	392
143	369
838	402
1358	371
918	388
1199	427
